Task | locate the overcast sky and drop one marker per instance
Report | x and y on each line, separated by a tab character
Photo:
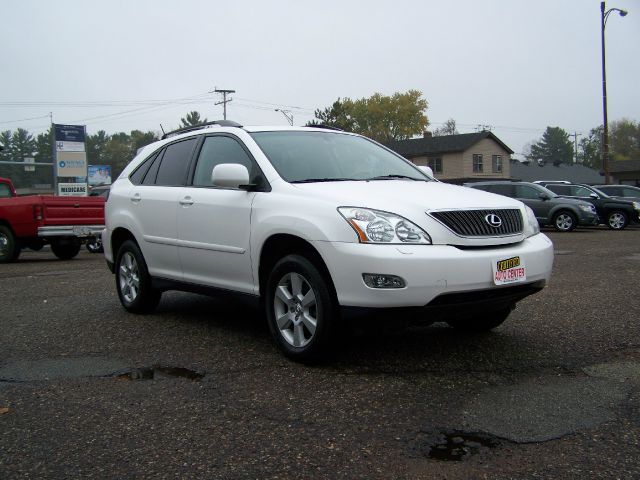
517	65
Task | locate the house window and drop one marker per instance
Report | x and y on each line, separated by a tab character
477	163
496	163
435	163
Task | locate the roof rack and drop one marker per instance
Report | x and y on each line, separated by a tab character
222	123
326	127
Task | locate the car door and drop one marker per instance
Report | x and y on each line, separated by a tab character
530	196
154	205
214	223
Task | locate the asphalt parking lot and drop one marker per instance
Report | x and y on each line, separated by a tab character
198	390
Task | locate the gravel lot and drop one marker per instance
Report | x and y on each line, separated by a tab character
198	390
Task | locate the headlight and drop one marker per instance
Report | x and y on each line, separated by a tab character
374	226
531	227
587	208
636	205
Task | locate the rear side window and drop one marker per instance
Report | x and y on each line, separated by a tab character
217	150
137	176
580	191
4	191
175	162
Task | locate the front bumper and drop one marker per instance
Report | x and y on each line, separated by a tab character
588	218
430	271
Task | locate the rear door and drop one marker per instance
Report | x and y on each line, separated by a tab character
154	205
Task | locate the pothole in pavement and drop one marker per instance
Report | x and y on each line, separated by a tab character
456	445
159	372
88	366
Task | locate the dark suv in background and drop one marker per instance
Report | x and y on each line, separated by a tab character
613	212
563	214
624	192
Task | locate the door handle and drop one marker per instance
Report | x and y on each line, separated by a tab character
186	201
136	198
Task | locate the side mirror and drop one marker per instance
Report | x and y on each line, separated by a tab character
230	175
426	170
594	196
544	196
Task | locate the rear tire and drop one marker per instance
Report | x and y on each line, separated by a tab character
483	322
65	251
133	281
301	308
617	220
9	247
564	221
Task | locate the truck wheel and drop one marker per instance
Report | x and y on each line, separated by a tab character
9	247
133	281
65	251
301	309
564	221
483	322
617	220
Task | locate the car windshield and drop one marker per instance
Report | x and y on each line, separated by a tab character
311	156
599	192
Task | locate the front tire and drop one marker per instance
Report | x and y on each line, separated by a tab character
133	281
481	323
617	220
564	221
301	308
9	247
65	251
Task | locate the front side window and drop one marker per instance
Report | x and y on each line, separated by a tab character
330	156
527	192
496	163
217	150
436	164
175	162
477	163
503	189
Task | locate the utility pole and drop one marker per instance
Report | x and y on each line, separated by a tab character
575	136
224	99
287	114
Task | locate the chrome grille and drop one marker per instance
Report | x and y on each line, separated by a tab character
473	223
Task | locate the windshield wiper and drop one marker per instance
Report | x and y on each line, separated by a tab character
387	177
313	180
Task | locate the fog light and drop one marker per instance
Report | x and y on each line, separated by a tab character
379	280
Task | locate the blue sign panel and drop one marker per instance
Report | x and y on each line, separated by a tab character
69	133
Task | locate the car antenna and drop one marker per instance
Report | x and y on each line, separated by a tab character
163	132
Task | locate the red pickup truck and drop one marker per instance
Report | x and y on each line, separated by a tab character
36	220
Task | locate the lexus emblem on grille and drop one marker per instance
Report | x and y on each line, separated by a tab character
493	220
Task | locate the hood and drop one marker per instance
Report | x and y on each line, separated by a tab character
402	195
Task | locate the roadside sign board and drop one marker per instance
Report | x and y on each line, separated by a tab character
70	161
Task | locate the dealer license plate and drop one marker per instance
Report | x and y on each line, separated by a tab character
509	270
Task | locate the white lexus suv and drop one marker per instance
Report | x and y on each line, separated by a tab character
314	222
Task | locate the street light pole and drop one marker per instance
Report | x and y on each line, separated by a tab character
605	134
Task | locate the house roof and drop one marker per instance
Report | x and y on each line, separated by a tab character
565	171
415	147
620	166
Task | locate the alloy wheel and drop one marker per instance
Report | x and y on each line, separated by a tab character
296	309
564	221
616	221
129	277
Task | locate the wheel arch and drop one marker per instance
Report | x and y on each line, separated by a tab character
278	246
118	237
